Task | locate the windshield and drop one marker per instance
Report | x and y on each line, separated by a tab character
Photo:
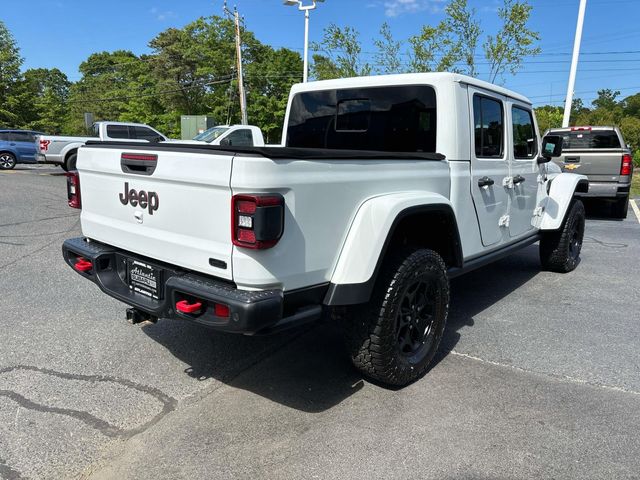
211	134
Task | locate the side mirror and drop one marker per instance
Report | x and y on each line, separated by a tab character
551	148
225	142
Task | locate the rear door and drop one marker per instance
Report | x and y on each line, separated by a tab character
489	165
169	204
145	133
25	144
524	169
119	132
596	153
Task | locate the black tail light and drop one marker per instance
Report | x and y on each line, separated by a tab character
257	221
73	190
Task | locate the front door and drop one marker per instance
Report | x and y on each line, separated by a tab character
524	169
489	165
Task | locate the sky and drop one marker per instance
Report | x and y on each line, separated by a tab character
63	33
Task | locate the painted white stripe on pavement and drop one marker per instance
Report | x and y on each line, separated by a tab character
634	205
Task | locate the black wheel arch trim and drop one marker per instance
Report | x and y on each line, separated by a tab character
356	293
582	186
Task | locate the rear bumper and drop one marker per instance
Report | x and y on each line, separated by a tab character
250	312
607	190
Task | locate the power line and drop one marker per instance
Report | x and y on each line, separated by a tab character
154	94
584	92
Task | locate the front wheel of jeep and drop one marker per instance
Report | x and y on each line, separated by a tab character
560	250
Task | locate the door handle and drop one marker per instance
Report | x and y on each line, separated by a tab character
12	144
518	179
485	181
572	159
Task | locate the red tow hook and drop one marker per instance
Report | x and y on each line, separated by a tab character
184	306
83	265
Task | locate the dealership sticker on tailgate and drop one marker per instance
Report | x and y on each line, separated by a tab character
144	279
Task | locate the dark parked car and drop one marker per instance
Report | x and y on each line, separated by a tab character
17	146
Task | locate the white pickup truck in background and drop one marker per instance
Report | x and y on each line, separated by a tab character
63	151
229	135
384	188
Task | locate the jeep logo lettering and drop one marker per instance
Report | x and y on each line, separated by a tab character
142	199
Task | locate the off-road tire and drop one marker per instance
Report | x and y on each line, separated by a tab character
621	207
560	250
373	331
7	161
70	163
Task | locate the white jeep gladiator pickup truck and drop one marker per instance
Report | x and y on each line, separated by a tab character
384	188
63	151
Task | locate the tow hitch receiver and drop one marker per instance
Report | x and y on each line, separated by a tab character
138	316
184	306
83	265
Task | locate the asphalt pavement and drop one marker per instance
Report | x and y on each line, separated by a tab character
538	375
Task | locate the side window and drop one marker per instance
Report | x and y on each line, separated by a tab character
117	131
489	127
240	138
144	133
525	141
4	136
22	137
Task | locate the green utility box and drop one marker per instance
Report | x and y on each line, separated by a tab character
192	125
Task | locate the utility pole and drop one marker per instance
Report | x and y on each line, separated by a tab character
241	91
574	65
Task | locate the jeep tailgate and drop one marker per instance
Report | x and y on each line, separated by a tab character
175	209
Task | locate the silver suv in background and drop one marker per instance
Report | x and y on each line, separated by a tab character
601	154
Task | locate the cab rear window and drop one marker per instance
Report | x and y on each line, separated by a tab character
386	119
588	139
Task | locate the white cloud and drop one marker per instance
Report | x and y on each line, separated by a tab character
160	15
395	8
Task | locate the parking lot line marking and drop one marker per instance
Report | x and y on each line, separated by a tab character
566	378
636	210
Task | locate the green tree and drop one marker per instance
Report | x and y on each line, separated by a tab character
606	99
341	54
631	105
449	46
195	65
514	41
116	86
388	55
630	128
270	81
548	117
40	98
10	63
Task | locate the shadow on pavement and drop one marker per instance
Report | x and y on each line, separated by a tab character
306	369
309	369
600	210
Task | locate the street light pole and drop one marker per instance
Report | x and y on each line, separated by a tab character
306	9
574	65
305	74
